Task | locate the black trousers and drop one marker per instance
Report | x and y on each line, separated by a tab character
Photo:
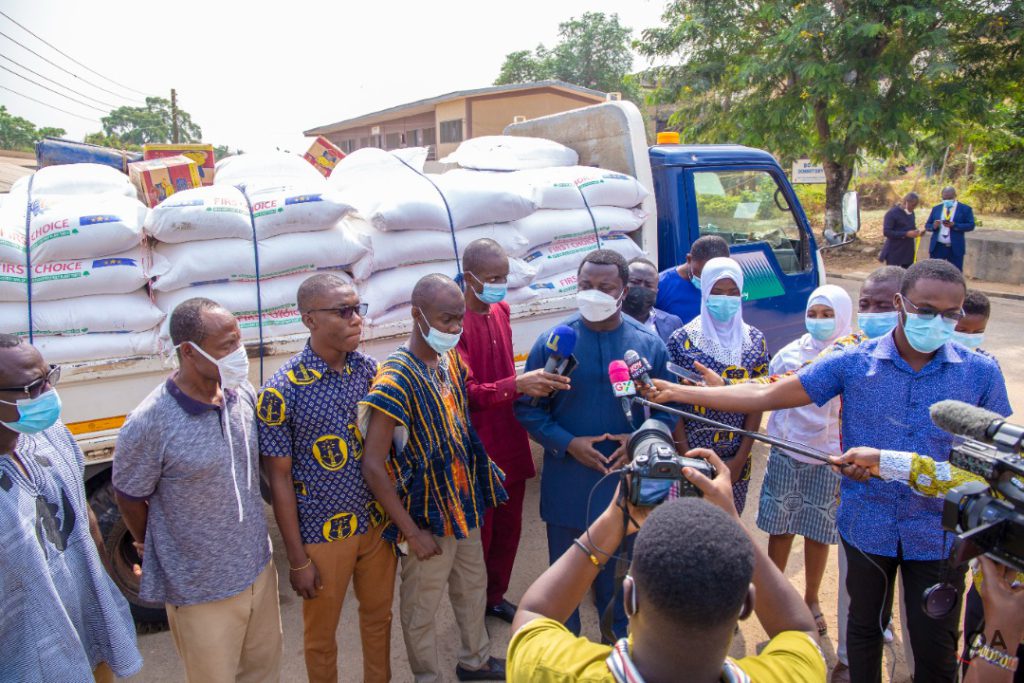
870	580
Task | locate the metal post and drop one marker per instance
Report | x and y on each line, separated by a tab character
174	116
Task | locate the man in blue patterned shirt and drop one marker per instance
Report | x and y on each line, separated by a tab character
887	385
311	448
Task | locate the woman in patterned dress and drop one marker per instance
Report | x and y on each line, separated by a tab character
719	340
799	495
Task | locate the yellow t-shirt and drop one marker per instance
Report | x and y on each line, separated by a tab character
544	651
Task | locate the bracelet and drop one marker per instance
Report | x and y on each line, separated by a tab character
309	561
586	551
994	657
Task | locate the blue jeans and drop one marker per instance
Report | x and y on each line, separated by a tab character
944	252
560	539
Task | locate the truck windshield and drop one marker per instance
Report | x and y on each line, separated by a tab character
749	206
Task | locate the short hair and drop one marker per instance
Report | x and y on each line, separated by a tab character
949	188
911	197
187	320
478	250
426	290
606	257
9	341
693	563
976	303
644	260
887	274
932	269
314	286
709	247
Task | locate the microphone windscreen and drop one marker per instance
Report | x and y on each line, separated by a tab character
618	372
631	357
962	418
562	341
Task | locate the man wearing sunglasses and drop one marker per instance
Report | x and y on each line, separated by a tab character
311	448
887	385
61	617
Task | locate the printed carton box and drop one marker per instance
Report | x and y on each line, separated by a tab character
324	155
201	154
157	179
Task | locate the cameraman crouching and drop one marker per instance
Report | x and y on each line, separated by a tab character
689	583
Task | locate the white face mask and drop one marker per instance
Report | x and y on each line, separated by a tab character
595	306
233	368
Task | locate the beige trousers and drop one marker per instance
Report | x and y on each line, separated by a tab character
460	567
234	639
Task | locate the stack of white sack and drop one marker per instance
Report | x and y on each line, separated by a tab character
88	266
206	235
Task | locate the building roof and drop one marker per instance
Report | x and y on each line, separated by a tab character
422	106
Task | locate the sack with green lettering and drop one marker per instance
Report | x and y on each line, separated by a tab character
70	278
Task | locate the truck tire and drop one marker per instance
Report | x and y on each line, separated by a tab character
149	617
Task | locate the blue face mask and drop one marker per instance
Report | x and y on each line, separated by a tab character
490	293
441	342
927	336
877	324
821	329
723	307
695	279
971	341
35	414
948	203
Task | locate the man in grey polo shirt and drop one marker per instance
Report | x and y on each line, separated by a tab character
187	480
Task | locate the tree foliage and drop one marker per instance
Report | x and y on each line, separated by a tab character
17	133
151	123
593	50
833	80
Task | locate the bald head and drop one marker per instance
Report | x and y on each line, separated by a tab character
314	290
483	254
435	290
949	192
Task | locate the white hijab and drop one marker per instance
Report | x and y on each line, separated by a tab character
723	341
836	298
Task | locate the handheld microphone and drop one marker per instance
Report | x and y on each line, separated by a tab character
560	344
622	387
977	423
639	367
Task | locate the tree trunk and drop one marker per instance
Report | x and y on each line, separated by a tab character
837	181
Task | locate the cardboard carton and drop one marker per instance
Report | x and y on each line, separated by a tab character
201	154
157	179
324	155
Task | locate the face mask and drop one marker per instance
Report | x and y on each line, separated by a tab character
639	301
821	329
232	368
723	307
927	335
877	324
948	203
971	341
695	279
441	342
490	293
35	414
595	306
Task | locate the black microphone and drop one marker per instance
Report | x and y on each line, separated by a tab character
639	367
561	343
976	423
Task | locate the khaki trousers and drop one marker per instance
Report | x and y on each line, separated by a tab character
234	639
460	566
369	562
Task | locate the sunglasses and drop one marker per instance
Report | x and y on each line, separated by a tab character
35	388
344	312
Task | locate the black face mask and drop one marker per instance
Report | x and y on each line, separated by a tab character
638	302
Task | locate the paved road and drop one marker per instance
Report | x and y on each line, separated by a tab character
1003	339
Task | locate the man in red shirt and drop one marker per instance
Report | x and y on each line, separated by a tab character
486	347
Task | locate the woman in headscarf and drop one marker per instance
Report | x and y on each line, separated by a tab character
799	495
719	340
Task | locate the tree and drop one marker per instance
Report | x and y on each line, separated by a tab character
151	123
21	134
834	79
593	51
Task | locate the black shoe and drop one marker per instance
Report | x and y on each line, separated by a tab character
494	670
504	610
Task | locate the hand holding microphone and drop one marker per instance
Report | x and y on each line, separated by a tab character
539	383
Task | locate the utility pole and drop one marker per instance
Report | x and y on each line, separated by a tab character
174	116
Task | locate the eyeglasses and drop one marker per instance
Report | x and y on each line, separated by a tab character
35	388
926	313
345	312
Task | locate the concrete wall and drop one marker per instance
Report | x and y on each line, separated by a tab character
490	115
449	111
995	255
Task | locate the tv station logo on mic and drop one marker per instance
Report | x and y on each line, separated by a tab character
624	388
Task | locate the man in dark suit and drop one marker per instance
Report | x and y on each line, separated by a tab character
641	292
900	233
948	222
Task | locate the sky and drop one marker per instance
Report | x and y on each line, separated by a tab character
255	74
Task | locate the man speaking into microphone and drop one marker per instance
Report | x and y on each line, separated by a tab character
584	430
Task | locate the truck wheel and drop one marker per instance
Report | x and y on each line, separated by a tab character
149	617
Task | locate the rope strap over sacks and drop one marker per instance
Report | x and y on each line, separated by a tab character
593	221
448	209
256	260
28	256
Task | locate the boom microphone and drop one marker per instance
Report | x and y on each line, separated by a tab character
639	368
976	423
560	344
622	387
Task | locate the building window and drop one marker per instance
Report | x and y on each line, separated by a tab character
451	131
375	141
392	141
428	136
364	142
412	138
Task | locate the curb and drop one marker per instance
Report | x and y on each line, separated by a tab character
857	277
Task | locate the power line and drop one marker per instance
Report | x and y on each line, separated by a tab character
56	92
50	61
30	32
45	104
106	104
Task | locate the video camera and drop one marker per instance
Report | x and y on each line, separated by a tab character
988	517
655	465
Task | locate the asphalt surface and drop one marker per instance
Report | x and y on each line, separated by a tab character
1003	336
